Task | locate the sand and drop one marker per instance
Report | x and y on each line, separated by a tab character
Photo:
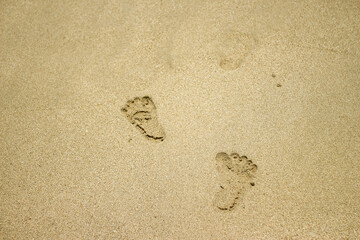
276	81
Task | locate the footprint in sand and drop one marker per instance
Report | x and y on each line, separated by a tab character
233	48
141	112
236	174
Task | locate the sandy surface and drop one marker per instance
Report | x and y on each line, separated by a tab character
277	81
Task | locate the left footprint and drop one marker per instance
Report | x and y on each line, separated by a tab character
233	49
236	174
141	112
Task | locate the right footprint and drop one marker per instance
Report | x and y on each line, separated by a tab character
236	174
141	112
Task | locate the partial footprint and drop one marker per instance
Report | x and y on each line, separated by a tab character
236	175
141	112
233	48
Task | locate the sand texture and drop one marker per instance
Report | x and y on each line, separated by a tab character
169	119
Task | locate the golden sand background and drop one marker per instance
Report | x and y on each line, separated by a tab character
73	167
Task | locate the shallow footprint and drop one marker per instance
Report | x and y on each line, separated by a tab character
141	112
233	48
236	176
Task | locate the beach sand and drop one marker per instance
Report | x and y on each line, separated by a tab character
276	81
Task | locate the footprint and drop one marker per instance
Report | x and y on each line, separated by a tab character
236	174
233	48
141	112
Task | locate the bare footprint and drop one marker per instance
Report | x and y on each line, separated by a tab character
233	48
141	112
236	174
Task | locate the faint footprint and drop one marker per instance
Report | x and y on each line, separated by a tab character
236	174
141	112
233	48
